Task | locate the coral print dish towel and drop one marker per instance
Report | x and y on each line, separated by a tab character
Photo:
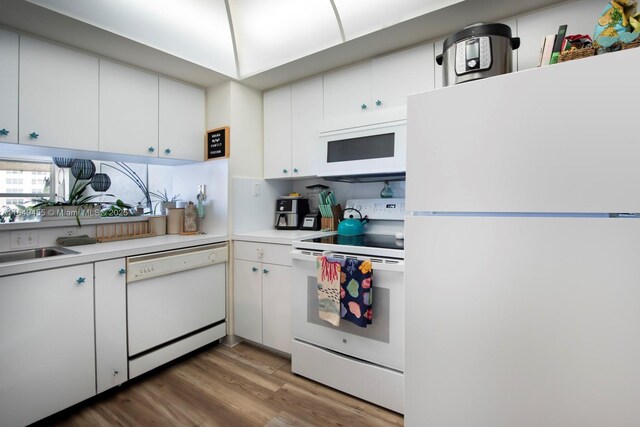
356	293
328	274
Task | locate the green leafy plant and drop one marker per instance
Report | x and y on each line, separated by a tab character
127	171
119	208
77	197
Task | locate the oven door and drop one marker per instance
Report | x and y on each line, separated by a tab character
382	342
373	149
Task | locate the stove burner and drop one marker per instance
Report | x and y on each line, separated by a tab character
384	241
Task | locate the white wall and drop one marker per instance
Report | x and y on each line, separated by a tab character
254	213
213	174
246	132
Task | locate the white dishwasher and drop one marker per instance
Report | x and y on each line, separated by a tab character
175	304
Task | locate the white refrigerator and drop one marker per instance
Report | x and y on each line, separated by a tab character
523	253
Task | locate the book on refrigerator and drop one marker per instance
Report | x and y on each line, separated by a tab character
547	49
557	47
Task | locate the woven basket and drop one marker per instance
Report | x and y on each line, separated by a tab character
570	55
635	43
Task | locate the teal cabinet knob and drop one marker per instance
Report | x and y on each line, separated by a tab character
33	135
4	132
151	149
378	103
80	280
265	271
295	170
167	151
122	271
254	269
285	171
363	107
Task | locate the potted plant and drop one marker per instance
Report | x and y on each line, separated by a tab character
164	200
78	204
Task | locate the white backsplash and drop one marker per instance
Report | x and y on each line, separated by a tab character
255	213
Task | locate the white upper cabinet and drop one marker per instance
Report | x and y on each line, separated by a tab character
292	118
58	96
182	121
277	133
9	48
306	116
382	83
394	77
347	91
128	110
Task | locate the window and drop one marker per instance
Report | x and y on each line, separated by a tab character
22	181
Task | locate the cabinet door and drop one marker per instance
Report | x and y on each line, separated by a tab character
346	91
276	307
394	77
182	121
9	87
247	300
111	323
277	133
306	117
58	96
46	343
128	110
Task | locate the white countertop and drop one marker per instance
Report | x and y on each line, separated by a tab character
282	237
110	250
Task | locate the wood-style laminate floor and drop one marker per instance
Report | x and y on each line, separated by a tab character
222	386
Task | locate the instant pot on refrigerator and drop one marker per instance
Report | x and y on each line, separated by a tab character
476	52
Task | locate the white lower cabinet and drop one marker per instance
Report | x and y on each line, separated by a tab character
111	323
47	354
262	294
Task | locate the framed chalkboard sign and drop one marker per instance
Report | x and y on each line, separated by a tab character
217	144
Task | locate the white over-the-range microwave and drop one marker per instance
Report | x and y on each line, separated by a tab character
375	150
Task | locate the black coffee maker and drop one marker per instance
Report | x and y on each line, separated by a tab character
290	212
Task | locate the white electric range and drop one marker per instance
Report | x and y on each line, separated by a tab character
365	362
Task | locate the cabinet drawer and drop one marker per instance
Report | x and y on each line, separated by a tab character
263	252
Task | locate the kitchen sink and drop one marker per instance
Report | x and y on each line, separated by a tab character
35	253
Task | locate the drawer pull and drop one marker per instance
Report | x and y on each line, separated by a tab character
265	271
80	280
33	135
122	271
167	151
151	149
4	132
254	269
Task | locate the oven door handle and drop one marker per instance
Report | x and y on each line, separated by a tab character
377	263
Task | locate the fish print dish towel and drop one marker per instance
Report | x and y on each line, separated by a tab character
356	293
328	274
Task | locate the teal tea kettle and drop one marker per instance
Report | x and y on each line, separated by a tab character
351	226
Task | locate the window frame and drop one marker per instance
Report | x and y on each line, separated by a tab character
52	176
